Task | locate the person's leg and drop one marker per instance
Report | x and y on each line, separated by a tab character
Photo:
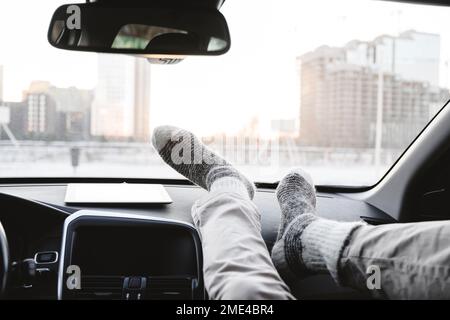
237	264
413	259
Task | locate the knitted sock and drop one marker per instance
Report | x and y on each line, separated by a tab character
185	153
296	195
305	242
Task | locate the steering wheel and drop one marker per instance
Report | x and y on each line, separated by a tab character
4	260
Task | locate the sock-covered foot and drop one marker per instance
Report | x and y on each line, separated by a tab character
297	197
185	153
306	243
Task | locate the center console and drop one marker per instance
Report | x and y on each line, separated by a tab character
123	256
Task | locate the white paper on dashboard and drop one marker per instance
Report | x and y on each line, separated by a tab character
116	193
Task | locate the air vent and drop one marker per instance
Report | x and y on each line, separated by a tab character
112	288
170	288
99	288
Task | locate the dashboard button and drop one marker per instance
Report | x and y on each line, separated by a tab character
46	257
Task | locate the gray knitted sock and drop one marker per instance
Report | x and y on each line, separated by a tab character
305	242
185	153
297	199
296	195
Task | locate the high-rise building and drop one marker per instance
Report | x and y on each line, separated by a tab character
122	98
411	55
18	118
1	83
339	91
41	115
142	100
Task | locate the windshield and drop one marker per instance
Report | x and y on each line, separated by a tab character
340	88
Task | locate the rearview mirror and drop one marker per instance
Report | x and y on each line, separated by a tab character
139	30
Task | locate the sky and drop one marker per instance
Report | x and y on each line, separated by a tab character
257	78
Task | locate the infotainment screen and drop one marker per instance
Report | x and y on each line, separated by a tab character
134	251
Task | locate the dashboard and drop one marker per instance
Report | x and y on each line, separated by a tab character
133	252
130	257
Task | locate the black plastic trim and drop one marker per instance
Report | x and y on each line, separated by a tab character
90	219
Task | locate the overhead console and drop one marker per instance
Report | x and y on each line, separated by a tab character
131	257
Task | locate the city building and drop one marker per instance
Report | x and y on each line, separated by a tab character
339	91
411	55
41	115
17	118
60	113
1	83
122	99
142	100
74	109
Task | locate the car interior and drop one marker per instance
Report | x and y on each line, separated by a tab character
139	250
